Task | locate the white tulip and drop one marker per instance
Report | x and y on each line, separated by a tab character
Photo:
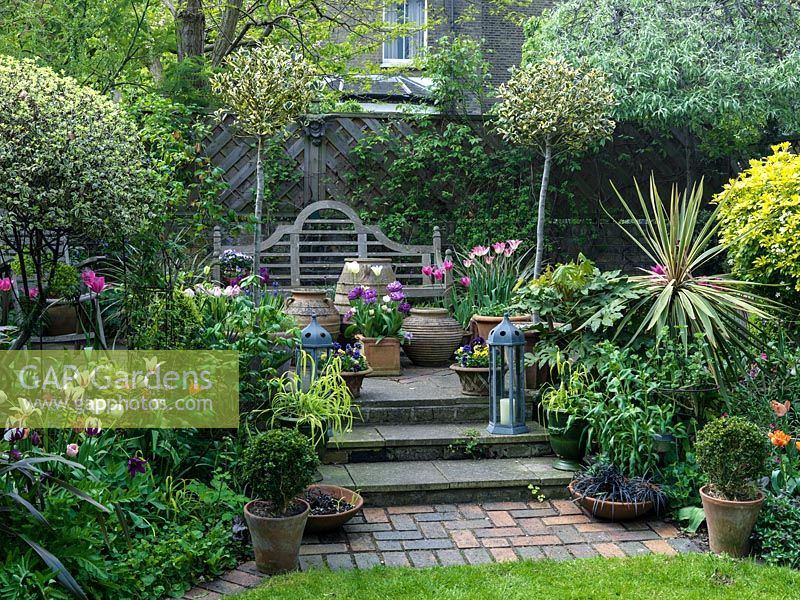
376	269
352	267
387	299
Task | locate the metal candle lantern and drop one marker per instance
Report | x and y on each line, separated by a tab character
315	342
506	379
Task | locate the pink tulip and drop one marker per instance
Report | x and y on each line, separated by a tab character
466	281
479	251
447	265
513	244
97	284
508	251
5	284
33	292
468	263
72	450
499	247
489	259
87	277
438	275
427	270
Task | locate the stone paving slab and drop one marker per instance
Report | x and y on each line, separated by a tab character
430	434
448	534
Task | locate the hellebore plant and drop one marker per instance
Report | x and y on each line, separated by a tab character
373	318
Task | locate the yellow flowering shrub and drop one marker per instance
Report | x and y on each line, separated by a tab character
760	219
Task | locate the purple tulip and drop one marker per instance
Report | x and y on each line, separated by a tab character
136	465
355	293
14	454
397	296
35	438
404	308
347	316
263	274
370	296
395	286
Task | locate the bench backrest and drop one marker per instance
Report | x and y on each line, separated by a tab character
311	251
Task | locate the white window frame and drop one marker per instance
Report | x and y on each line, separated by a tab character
395	62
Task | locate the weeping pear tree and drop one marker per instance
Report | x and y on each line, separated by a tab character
554	108
265	88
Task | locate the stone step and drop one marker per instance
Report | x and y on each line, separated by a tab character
445	441
423	395
449	481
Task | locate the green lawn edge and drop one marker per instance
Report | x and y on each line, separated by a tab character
689	576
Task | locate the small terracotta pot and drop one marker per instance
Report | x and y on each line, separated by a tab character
474	380
61	319
323	523
276	541
354	379
612	511
383	357
435	335
730	523
482	325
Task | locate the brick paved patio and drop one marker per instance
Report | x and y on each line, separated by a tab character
458	534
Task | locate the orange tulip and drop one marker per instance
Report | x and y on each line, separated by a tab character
780	409
779	438
797	445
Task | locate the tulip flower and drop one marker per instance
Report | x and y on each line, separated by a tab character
468	263
438	275
33	293
479	251
376	270
5	284
395	286
72	450
499	247
489	259
352	267
97	285
779	438
87	277
427	270
447	264
513	244
780	410
466	281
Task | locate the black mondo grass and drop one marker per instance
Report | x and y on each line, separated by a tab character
605	483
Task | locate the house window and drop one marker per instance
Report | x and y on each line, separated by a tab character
402	49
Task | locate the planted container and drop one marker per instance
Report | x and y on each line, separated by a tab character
382	355
730	522
306	302
276	540
481	325
354	381
375	273
566	439
610	510
321	523
435	335
474	380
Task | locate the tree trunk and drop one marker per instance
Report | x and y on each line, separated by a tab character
191	22
258	214
227	31
688	141
156	69
548	160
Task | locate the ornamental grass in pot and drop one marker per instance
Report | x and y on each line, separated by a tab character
606	492
277	466
732	452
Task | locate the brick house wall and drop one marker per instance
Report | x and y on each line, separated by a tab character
502	38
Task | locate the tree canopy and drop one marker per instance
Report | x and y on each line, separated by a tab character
721	71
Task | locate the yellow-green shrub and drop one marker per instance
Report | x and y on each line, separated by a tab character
760	220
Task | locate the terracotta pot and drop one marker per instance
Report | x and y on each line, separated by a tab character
303	303
354	380
323	523
730	523
383	357
474	380
481	325
613	511
60	318
365	277
435	335
276	541
567	442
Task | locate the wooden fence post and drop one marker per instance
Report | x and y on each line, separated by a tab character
314	160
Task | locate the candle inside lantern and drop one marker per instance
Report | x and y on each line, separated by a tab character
505	411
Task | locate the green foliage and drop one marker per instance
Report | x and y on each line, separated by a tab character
169	321
63	283
775	533
459	73
760	222
265	88
684	64
579	303
186	82
277	466
682	482
732	452
552	103
318	406
672	294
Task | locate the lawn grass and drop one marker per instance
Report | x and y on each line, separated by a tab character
690	576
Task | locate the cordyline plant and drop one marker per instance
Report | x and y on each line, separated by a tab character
555	108
265	88
674	297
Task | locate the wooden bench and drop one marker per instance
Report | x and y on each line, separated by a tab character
311	251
